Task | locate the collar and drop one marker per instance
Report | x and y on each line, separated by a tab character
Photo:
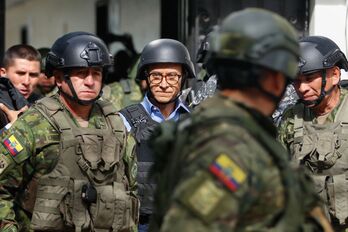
151	108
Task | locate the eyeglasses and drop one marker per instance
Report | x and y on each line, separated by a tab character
172	78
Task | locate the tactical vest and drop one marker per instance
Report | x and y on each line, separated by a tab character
175	138
87	190
323	150
142	126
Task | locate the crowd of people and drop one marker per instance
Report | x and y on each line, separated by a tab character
265	151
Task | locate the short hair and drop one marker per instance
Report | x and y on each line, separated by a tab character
20	51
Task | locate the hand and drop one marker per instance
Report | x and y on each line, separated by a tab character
12	115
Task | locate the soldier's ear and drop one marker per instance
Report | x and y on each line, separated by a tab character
2	72
336	75
59	77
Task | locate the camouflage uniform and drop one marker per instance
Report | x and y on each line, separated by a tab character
321	148
122	94
223	170
29	150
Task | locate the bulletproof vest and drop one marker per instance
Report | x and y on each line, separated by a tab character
142	126
87	190
323	150
292	218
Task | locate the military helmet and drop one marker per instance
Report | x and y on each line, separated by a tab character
43	52
77	49
165	51
319	52
256	37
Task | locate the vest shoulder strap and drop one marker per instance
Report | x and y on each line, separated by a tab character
137	116
49	106
342	112
298	120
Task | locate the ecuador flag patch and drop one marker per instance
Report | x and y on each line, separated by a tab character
12	145
228	172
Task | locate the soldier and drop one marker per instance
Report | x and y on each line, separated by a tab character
165	64
21	65
65	164
222	169
315	129
46	86
123	90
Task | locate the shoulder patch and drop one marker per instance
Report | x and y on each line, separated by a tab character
228	172
12	145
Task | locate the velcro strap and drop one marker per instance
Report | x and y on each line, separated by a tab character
50	196
47	209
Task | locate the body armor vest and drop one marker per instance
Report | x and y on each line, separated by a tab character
87	190
323	150
142	126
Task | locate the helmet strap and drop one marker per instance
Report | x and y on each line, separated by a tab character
323	93
74	96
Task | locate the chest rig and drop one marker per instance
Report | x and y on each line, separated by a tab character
322	148
87	190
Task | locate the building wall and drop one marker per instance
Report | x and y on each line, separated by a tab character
46	20
329	18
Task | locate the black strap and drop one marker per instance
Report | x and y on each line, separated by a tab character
137	116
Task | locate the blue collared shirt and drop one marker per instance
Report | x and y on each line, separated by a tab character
156	114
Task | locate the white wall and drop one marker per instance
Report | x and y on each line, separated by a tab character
48	19
329	18
140	18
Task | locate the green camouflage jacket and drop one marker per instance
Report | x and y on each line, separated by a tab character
29	148
286	126
119	96
223	170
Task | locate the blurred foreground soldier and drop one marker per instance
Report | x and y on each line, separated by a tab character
46	86
315	130
222	169
64	163
21	65
165	64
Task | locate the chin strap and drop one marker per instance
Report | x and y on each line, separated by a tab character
74	96
323	93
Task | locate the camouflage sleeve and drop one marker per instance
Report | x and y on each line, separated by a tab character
16	147
286	128
131	162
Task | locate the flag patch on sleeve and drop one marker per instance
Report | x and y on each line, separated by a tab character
228	172
12	145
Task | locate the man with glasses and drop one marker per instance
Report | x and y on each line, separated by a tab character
164	65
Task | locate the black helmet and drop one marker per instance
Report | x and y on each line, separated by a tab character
43	52
74	50
165	51
77	49
255	37
319	52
